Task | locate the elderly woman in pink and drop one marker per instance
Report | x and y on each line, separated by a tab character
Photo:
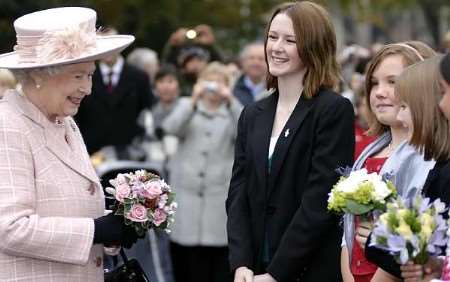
52	223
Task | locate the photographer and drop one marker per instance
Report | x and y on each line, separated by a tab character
200	173
201	36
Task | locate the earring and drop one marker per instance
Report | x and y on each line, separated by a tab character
38	86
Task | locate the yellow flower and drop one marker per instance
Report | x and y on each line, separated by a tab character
384	219
403	213
404	230
427	223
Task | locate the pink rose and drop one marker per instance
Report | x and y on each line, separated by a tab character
159	217
122	191
152	189
137	213
121	179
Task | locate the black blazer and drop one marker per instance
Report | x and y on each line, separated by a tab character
289	204
111	118
437	185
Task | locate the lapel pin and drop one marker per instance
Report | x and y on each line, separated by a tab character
286	133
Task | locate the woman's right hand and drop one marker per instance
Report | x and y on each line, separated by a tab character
414	272
111	230
243	274
197	92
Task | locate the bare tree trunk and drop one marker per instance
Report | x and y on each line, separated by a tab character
431	11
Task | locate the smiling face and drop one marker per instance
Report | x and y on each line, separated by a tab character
383	102
281	48
60	94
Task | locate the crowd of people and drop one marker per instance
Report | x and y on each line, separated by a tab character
250	145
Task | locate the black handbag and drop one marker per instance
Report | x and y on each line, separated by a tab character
129	271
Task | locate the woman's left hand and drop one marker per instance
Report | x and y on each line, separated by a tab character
264	278
363	231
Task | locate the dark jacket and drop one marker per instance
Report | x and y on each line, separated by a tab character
242	92
286	209
111	118
436	186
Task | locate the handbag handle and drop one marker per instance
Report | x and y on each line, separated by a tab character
123	255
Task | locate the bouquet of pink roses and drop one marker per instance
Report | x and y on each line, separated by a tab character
144	200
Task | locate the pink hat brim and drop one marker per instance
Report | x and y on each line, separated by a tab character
105	46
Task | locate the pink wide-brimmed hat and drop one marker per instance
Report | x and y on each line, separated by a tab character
60	36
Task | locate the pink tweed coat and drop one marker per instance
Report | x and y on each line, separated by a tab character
49	195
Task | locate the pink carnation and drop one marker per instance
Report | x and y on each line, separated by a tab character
152	189
159	217
137	213
122	191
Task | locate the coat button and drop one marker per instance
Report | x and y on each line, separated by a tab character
91	189
201	174
98	261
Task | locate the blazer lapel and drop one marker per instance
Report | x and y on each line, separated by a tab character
285	139
261	139
72	157
54	137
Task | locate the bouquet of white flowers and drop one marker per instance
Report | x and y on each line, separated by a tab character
411	229
360	193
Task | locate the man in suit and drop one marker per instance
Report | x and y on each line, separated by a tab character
251	85
108	117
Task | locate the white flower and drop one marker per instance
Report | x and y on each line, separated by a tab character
352	182
382	191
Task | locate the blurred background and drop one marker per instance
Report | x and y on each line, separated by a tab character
236	22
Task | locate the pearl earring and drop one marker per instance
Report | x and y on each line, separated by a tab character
38	86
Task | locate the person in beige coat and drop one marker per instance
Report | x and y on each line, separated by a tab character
52	222
200	172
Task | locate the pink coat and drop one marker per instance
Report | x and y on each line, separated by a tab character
49	195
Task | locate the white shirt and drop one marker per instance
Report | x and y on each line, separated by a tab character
116	70
273	142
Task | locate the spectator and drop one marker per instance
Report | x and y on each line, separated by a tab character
251	84
201	170
7	81
201	36
145	59
108	117
157	146
192	61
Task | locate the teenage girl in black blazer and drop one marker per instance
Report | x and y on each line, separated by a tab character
287	150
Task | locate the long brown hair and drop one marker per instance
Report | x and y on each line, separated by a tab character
414	53
418	86
316	45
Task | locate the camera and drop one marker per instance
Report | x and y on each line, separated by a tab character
191	34
211	86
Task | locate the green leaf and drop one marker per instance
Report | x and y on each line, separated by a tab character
357	209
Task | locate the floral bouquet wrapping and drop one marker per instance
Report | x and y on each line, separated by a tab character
144	200
360	193
411	229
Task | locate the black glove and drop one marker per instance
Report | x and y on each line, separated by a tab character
111	230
